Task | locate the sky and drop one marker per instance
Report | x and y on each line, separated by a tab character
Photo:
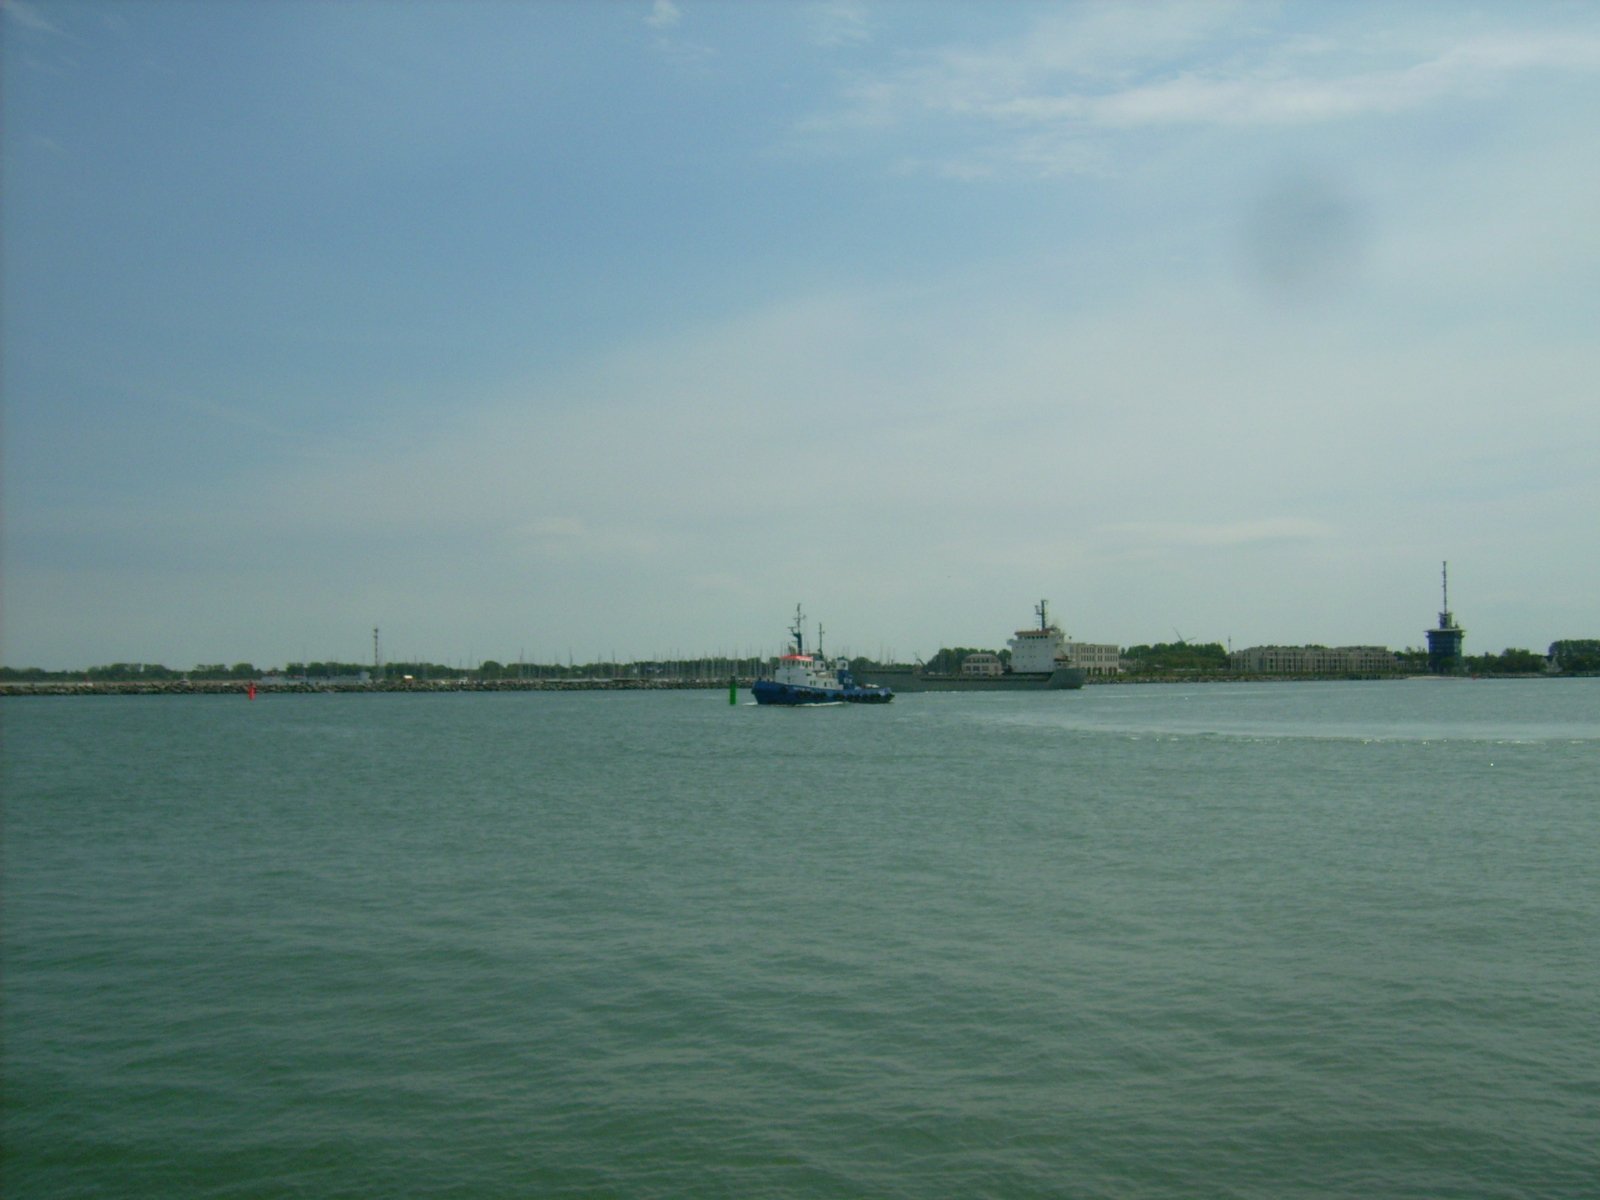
614	330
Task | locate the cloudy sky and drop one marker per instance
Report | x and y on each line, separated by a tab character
617	329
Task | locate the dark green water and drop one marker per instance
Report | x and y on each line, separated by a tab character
1281	941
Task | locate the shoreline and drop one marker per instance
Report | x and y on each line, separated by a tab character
225	687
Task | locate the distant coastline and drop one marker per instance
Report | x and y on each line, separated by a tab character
221	687
1177	662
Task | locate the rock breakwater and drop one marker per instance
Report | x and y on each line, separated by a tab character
218	687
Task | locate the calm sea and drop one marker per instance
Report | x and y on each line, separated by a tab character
1276	941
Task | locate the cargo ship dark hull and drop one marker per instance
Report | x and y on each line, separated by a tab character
909	679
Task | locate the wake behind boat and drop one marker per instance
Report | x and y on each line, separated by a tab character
801	678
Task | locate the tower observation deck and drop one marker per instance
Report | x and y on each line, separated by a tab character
1444	643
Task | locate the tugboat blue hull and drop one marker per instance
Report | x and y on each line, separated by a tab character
801	678
769	692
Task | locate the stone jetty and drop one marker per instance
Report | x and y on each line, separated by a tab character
218	687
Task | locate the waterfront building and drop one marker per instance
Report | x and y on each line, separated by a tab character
1095	657
1314	660
1444	642
981	664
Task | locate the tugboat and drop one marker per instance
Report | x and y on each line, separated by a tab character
801	678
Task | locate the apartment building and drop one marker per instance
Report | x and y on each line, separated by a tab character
1313	660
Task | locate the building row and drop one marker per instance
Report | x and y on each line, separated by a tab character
1095	658
1314	660
1101	659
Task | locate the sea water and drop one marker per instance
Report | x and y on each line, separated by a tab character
1269	941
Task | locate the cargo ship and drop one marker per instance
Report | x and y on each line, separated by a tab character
1039	662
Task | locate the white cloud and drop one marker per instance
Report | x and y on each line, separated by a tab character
1024	102
904	463
841	23
27	16
664	14
1159	443
1266	96
665	17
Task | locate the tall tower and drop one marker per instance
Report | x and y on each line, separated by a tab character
1444	643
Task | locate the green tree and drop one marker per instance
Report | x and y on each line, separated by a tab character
1179	657
1411	659
123	672
1520	662
1575	655
948	660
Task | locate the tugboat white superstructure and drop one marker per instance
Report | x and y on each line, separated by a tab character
801	678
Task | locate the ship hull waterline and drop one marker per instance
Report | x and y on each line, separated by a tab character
768	692
1061	680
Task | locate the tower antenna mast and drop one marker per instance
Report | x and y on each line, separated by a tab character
1444	643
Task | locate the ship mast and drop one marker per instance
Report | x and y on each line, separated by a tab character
1040	610
799	631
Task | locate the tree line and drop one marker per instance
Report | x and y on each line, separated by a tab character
710	667
1572	656
1569	656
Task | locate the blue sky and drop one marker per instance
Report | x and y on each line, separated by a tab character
616	329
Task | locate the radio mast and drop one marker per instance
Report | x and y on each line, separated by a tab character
1444	643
